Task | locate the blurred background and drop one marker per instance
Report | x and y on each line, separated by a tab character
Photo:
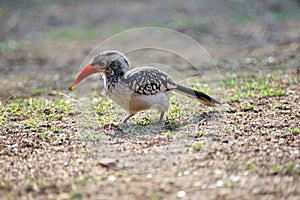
44	42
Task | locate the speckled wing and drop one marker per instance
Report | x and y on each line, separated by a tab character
148	81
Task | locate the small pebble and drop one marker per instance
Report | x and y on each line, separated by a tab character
219	183
235	178
112	178
13	146
271	59
180	194
79	161
149	176
296	152
66	164
108	162
218	172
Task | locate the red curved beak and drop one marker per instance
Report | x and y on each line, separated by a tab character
87	71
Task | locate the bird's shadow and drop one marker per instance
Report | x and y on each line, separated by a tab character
168	127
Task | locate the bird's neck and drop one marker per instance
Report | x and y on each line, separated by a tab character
116	72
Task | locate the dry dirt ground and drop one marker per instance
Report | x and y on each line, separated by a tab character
56	145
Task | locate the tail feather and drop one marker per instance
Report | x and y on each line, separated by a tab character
200	96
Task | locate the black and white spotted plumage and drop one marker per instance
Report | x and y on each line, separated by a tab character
148	81
141	88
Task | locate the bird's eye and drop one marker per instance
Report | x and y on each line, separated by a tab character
101	64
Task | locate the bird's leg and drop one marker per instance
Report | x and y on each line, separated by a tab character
126	119
161	117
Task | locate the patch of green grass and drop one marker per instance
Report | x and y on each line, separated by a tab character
35	181
198	145
38	91
250	86
183	172
155	196
236	98
275	169
294	130
4	185
201	25
2	121
200	133
106	111
167	134
247	107
263	87
103	177
77	194
44	135
278	105
231	82
229	184
60	104
291	168
70	33
55	129
271	91
246	164
175	109
36	114
253	167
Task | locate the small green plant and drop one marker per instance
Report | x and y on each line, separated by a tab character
278	105
231	82
38	91
55	129
253	167
198	145
77	195
155	196
2	121
31	123
167	134
271	91
44	135
228	184
294	130
291	168
103	177
3	185
246	164
200	133
247	107
275	169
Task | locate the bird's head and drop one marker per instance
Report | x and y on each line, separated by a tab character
109	63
